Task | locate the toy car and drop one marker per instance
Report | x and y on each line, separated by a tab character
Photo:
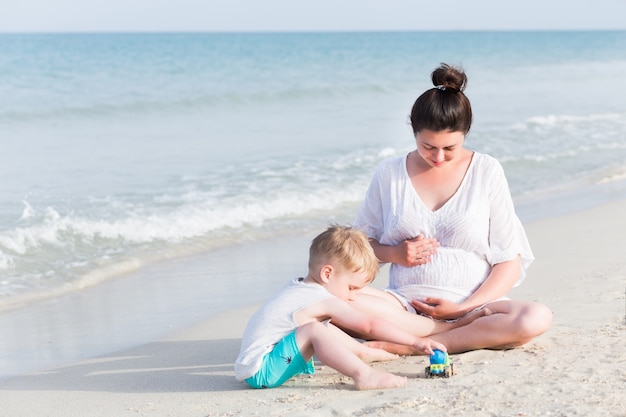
440	365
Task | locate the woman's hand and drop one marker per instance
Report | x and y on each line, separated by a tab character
439	308
416	251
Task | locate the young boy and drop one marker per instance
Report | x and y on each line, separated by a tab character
282	337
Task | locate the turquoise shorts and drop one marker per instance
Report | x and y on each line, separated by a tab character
282	363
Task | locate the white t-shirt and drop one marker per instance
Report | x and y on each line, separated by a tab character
272	322
477	228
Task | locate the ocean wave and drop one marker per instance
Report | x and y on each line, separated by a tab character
564	119
49	247
51	229
556	137
612	175
568	153
59	250
218	99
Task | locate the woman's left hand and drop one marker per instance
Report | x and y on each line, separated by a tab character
438	308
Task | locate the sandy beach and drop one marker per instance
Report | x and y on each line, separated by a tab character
578	368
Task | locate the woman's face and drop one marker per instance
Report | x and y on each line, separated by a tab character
439	148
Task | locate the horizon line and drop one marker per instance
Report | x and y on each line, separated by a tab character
287	31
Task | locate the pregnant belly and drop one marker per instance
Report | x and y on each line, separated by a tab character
451	274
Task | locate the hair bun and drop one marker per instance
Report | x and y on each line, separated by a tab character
449	78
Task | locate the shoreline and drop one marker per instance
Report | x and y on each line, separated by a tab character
562	199
142	307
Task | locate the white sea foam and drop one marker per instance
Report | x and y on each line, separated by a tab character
614	174
79	246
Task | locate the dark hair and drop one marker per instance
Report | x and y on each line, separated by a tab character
445	106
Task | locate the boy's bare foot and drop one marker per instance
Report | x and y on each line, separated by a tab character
379	380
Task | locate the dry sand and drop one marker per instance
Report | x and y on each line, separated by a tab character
578	368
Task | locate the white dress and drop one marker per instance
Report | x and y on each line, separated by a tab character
477	228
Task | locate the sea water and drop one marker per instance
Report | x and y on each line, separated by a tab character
119	151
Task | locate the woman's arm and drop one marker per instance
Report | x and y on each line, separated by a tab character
411	252
498	283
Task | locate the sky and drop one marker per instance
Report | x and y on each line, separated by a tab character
307	15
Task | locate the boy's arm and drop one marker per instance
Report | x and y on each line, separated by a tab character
346	317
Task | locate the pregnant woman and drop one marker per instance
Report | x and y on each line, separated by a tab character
443	216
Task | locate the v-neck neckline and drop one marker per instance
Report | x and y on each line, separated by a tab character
452	197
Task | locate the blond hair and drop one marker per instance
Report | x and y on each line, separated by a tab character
346	246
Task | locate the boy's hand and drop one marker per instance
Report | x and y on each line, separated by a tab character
426	345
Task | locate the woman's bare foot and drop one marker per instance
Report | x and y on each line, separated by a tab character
404	350
471	316
392	348
370	354
378	380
